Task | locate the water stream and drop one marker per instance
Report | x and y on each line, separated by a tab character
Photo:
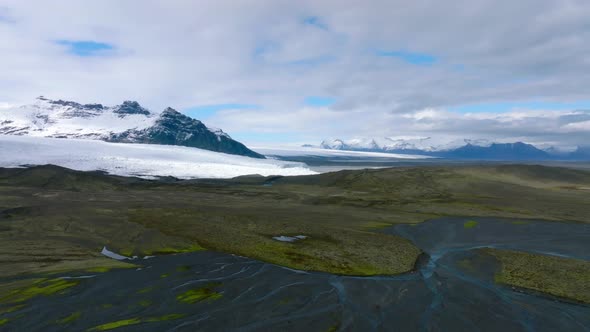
444	294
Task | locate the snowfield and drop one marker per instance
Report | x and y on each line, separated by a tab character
44	119
66	119
142	160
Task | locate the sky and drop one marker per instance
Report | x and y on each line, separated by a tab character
292	72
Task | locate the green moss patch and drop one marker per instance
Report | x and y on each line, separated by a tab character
164	318
183	268
99	269
145	303
207	293
134	321
116	324
42	287
127	252
376	225
470	224
11	309
145	290
70	318
334	328
341	252
170	250
562	277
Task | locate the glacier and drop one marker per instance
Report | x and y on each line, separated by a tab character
141	160
302	151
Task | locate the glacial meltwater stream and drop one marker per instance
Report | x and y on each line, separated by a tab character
453	289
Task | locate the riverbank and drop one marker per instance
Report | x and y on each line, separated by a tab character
454	289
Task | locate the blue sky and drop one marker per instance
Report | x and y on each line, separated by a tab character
85	47
4	18
420	59
315	22
204	112
319	101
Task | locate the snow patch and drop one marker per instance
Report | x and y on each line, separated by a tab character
46	118
284	238
218	132
113	255
79	277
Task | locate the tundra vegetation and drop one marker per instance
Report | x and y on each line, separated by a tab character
55	220
557	276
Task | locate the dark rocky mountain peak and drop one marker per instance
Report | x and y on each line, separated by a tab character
130	107
71	104
175	128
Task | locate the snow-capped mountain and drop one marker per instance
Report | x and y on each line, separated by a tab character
128	122
581	153
480	149
397	144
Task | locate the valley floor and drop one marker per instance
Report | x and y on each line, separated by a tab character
213	291
54	222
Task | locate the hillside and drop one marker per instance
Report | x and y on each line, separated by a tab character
66	217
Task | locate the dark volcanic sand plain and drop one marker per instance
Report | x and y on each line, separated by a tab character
453	289
381	266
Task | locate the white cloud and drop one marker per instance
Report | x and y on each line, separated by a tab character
560	128
583	126
186	53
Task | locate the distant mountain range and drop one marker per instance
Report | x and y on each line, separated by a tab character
128	123
458	149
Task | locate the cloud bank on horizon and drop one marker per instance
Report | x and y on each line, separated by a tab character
300	71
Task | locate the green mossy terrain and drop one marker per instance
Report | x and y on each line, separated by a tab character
145	303
70	318
206	293
55	220
116	324
558	276
25	290
470	224
134	321
6	310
